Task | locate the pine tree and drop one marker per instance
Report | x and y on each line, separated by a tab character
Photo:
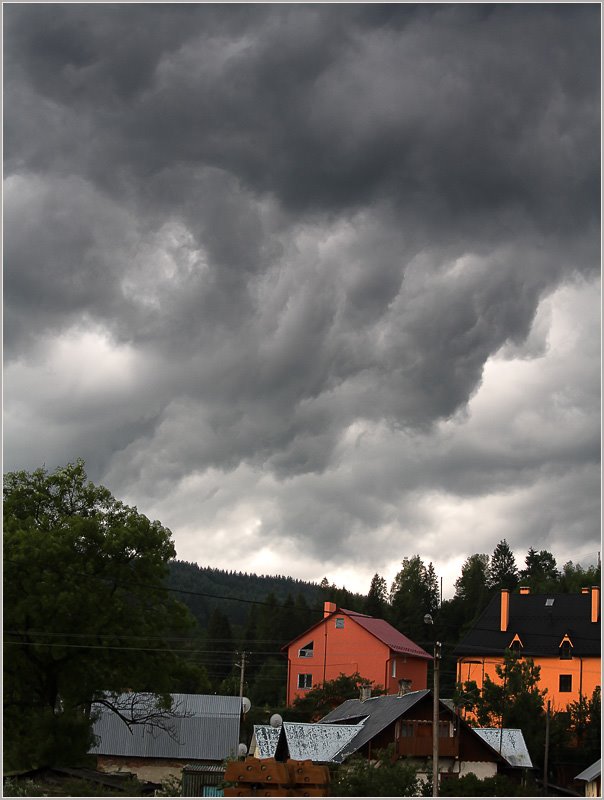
502	573
413	594
376	603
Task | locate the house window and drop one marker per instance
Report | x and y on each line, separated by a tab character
566	651
307	651
304	680
566	683
406	729
339	622
444	730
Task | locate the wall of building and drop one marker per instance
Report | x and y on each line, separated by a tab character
482	769
156	770
585	676
347	650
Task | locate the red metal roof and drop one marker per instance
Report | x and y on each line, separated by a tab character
384	631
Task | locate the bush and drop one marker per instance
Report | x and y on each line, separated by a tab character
385	777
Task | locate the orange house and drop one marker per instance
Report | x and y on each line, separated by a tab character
345	642
560	632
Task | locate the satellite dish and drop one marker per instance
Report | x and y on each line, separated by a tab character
246	704
276	721
242	750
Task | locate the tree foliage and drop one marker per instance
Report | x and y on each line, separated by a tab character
540	572
413	594
502	572
513	701
376	604
383	777
85	610
323	698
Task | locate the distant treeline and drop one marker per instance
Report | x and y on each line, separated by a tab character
238	612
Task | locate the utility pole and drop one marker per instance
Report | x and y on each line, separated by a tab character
435	715
242	668
546	756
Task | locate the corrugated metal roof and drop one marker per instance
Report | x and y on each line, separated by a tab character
509	742
383	631
305	740
210	730
591	773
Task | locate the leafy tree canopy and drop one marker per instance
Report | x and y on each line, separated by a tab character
514	701
383	777
323	698
85	610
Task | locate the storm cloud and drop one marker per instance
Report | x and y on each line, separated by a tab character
315	280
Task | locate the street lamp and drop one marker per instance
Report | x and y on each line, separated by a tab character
429	621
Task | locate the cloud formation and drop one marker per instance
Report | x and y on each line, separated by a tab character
300	277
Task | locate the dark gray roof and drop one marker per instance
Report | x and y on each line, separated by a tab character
377	713
208	728
541	627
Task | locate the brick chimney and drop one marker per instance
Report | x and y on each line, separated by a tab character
365	692
585	590
328	608
525	590
595	603
505	609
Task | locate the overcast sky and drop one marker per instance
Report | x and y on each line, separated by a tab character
317	286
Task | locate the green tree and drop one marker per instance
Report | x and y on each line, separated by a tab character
323	698
470	587
574	577
496	786
514	701
414	593
86	612
376	604
221	656
540	572
383	777
502	573
268	688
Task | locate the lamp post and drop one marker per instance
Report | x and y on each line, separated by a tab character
429	621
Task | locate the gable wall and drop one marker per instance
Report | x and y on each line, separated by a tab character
337	650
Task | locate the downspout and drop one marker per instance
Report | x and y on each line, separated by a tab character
289	677
580	677
325	656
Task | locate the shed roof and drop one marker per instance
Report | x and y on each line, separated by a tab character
591	773
541	627
305	740
204	727
509	742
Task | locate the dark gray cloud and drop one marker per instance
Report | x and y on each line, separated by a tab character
279	225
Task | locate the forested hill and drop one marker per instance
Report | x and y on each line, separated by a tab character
215	586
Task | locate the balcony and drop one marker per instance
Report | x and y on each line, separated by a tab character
414	738
421	747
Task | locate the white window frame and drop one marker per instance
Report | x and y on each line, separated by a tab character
304	680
